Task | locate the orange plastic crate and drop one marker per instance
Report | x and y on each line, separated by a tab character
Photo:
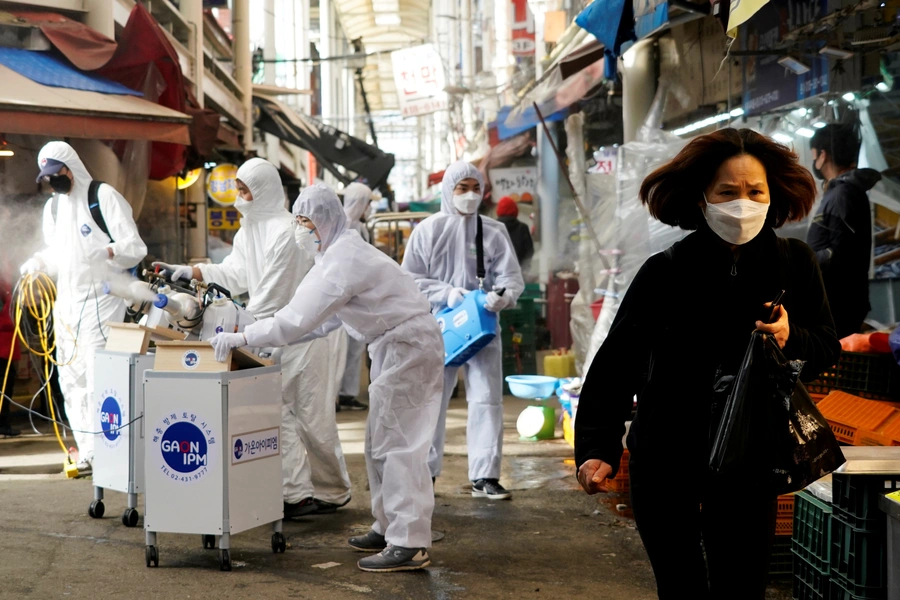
622	481
786	506
861	422
784	525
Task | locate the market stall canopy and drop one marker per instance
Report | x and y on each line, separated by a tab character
567	82
27	107
384	25
331	147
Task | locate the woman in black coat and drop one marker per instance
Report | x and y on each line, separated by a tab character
685	320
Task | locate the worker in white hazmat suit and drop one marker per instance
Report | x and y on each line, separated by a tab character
441	255
355	285
356	203
80	256
268	264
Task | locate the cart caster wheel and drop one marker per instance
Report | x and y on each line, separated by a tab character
130	517
96	509
152	556
209	542
279	543
224	560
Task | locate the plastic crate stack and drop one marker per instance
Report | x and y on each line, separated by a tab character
860	422
781	560
874	376
622	482
811	547
518	331
859	537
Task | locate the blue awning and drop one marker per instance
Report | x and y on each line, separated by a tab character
530	117
649	15
47	69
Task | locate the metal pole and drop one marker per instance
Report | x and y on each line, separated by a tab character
468	60
585	215
365	99
243	67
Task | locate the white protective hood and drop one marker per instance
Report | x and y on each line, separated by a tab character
320	204
352	283
356	201
440	253
266	261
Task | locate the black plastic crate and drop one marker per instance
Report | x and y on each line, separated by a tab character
859	559
840	590
855	498
811	538
875	376
810	583
781	561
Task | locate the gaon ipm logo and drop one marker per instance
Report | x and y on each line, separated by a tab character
110	418
191	359
185	444
238	449
85	230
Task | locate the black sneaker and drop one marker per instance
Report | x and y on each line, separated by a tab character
395	558
490	489
307	506
350	403
327	508
371	542
8	431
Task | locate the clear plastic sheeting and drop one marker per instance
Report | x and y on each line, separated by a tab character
555	93
629	234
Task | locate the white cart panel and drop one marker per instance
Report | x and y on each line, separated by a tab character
184	447
254	459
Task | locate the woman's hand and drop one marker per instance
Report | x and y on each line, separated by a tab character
780	329
592	476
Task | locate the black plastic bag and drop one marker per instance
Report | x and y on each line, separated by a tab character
770	427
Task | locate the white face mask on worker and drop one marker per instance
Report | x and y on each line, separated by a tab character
467	203
242	205
736	221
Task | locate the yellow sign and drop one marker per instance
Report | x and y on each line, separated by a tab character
220	185
190	178
223	218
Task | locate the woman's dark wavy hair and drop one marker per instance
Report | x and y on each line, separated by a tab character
673	193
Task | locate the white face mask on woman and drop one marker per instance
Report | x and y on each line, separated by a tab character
467	203
736	221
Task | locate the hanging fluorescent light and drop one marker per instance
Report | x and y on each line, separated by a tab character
838	53
799	112
794	65
849	97
6	153
707	122
782	137
807	133
819	124
882	87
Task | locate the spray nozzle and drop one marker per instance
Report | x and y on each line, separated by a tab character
161	301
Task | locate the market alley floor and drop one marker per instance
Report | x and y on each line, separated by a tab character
550	541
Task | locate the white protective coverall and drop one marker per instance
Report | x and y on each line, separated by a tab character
440	255
82	310
267	263
358	286
356	201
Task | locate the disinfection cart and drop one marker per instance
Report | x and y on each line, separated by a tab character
213	447
118	403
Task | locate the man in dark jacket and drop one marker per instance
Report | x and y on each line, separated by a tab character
841	231
508	214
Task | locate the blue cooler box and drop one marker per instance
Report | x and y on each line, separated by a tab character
467	328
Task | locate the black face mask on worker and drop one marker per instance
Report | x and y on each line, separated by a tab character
61	184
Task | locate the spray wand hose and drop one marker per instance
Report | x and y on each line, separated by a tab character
37	292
